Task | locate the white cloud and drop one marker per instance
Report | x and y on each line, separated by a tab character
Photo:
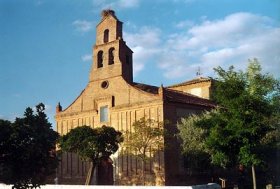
231	40
130	25
119	4
86	57
224	42
83	25
184	24
147	36
145	45
48	107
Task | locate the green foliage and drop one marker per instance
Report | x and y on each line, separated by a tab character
144	140
27	149
247	104
146	136
5	133
194	137
91	144
245	123
193	143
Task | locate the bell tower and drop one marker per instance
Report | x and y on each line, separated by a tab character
111	56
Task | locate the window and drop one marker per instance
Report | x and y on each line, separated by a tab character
111	56
100	59
105	84
113	101
106	36
104	114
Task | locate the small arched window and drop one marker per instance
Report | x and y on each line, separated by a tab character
100	59
111	56
106	36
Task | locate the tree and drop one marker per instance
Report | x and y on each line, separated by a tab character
194	137
146	138
193	143
91	144
27	149
246	120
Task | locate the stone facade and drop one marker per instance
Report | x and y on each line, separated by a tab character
112	98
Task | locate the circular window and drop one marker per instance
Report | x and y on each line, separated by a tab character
105	84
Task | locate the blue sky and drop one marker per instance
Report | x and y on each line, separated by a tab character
46	45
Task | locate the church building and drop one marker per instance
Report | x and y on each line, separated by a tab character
112	98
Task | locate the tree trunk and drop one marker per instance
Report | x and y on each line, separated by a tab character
254	177
90	174
143	172
143	167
